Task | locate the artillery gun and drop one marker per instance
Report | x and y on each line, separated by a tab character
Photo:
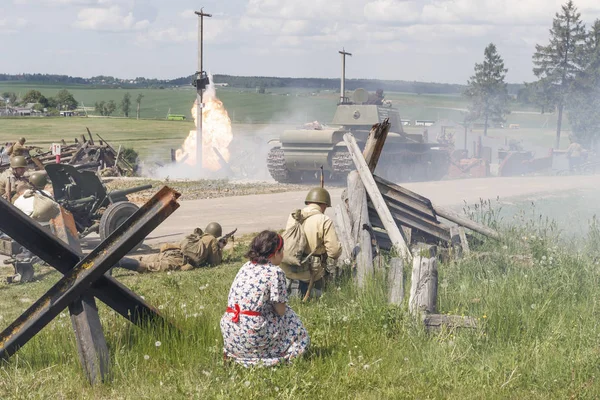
94	209
298	154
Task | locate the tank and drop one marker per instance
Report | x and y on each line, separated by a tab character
298	154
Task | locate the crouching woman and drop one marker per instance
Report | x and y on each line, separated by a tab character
258	327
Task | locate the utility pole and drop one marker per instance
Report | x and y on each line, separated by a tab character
200	82
343	83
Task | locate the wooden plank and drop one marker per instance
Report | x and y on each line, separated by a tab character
395	281
423	285
436	321
407	197
375	142
396	236
467	223
404	218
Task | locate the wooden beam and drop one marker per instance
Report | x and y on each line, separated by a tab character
467	223
396	236
375	142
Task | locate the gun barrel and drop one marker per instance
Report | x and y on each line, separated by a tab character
124	192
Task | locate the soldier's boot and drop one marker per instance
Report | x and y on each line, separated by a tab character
293	287
130	264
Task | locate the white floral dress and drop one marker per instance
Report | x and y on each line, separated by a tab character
263	337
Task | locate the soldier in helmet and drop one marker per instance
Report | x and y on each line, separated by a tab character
199	249
322	244
18	148
12	177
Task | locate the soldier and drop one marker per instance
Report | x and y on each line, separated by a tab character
574	153
321	244
196	250
10	179
18	148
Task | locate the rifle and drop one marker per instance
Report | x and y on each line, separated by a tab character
225	238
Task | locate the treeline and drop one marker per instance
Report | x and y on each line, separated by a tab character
246	82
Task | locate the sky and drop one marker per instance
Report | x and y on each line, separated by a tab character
422	40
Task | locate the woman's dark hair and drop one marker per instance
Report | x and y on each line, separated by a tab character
263	246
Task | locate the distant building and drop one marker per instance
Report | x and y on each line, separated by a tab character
405	122
221	84
67	113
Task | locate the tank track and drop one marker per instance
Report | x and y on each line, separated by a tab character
276	165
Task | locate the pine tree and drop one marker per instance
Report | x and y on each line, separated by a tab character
487	90
557	64
584	101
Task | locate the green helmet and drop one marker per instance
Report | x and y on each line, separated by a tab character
18	162
22	140
318	195
214	228
38	180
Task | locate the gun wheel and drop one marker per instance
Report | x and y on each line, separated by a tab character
115	215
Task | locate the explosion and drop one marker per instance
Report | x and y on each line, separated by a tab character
216	133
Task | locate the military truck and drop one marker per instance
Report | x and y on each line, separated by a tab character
298	154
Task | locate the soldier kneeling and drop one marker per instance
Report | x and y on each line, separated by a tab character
196	250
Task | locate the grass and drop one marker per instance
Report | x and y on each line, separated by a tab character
538	333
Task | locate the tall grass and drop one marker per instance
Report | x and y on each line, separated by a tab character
535	296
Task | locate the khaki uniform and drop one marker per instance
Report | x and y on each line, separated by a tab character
18	149
171	258
322	242
574	153
9	176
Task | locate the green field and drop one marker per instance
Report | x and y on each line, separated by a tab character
534	298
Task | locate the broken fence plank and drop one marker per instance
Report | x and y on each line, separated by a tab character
375	142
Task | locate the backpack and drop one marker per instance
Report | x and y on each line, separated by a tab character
295	242
44	208
193	249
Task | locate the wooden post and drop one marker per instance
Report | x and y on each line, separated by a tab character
344	232
423	285
463	241
455	242
357	201
396	236
91	343
396	281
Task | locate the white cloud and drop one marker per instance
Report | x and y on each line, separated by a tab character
12	25
112	19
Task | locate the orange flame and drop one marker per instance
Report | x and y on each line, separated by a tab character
216	134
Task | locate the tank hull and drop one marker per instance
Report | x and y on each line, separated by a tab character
299	154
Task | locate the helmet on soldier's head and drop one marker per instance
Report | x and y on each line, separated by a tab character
38	180
22	140
214	228
18	162
318	195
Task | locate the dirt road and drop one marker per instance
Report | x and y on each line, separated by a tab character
257	212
